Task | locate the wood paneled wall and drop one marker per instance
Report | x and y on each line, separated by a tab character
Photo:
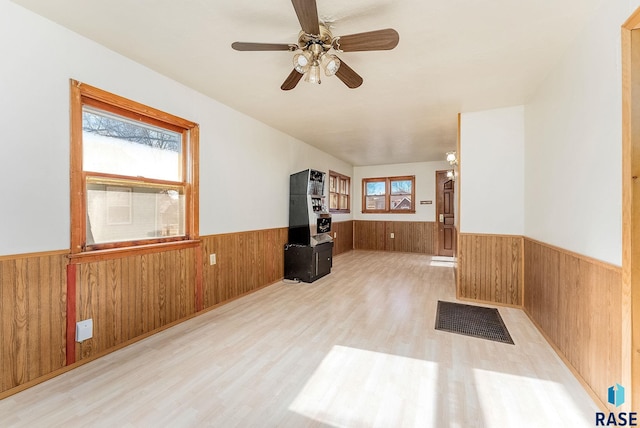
577	303
128	297
490	268
245	261
33	317
343	240
409	236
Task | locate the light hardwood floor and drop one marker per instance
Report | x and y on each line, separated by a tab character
357	348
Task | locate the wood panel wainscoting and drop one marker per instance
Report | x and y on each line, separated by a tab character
409	236
342	233
577	303
245	262
132	296
33	316
490	268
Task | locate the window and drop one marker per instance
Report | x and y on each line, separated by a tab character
134	173
388	195
339	189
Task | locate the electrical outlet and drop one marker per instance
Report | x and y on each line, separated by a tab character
335	235
212	259
84	330
393	235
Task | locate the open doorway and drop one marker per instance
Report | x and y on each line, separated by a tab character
445	214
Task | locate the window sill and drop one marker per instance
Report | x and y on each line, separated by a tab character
390	212
118	253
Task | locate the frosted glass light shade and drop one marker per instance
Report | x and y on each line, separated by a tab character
301	62
313	75
331	64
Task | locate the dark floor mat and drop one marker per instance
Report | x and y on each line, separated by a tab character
476	321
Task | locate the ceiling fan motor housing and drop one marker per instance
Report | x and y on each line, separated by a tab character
316	43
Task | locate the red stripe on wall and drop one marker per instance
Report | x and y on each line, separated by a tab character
199	289
71	314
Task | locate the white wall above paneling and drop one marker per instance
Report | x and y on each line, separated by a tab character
492	171
244	164
574	144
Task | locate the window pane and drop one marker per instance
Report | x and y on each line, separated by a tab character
130	212
113	144
344	202
375	202
333	201
401	202
376	188
344	186
332	183
402	187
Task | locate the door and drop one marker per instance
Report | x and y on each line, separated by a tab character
445	215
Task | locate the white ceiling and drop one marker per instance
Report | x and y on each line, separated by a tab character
453	56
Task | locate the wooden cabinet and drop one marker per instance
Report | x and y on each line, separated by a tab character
306	263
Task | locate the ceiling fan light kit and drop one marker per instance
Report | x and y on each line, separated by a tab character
316	45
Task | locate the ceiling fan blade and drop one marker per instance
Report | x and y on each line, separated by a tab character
348	76
243	46
378	40
291	81
307	12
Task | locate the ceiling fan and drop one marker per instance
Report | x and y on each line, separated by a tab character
316	43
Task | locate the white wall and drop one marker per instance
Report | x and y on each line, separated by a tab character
492	171
574	150
244	165
425	173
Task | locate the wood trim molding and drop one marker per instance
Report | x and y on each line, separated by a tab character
633	22
81	94
387	195
194	172
630	311
488	235
601	263
118	253
126	104
349	195
77	200
459	198
32	255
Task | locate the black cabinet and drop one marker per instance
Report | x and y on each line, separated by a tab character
306	263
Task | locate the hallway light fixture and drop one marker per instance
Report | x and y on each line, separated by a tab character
452	158
451	175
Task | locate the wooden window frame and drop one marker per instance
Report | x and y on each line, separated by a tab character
83	94
338	177
387	195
